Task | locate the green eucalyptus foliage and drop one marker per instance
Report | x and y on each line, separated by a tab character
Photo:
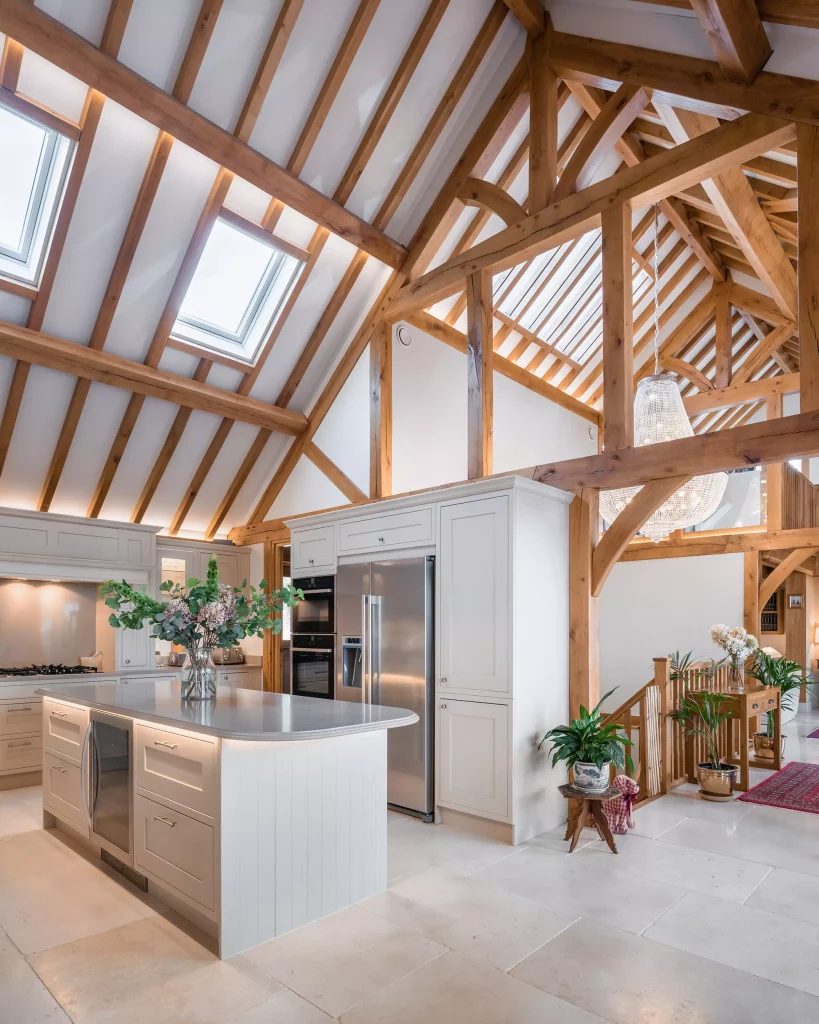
786	676
702	712
200	613
588	741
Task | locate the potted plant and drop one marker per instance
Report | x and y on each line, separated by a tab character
787	677
739	645
200	616
703	711
590	746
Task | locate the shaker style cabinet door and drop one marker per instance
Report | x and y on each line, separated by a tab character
473	596
473	752
135	649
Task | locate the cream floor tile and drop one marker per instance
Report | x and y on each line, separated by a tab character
41	911
414	844
496	927
653	819
776	844
709	873
150	972
24	999
34	853
284	1008
344	958
16	819
789	893
584	886
686	802
457	990
553	841
768	945
629	979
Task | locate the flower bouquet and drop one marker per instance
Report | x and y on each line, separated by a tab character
738	644
200	616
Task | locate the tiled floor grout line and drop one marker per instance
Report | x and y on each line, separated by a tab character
686	892
766	875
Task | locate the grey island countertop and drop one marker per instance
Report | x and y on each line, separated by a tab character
235	714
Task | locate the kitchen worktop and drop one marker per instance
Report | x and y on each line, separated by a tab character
235	714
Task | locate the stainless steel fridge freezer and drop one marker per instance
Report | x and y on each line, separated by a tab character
385	655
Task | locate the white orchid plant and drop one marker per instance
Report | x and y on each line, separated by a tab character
203	613
737	643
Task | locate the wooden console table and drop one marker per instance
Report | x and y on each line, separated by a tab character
744	705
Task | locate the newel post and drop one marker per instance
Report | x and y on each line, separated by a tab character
662	680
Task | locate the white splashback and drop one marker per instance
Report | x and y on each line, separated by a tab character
43	622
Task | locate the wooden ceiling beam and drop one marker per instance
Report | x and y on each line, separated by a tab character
647	182
55	43
734	200
680	81
808	168
335	475
782	571
530	14
752	445
138	378
479	374
381	411
618	341
543	110
799	13
741	394
734	30
761	354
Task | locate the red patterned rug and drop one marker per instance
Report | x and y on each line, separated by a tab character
814	735
795	787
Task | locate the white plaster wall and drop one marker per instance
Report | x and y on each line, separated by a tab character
649	609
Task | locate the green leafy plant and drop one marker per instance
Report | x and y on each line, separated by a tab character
202	613
588	740
683	667
786	676
702	712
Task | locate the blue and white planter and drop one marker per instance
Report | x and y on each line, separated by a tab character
590	778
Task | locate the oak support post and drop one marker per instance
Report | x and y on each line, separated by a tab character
773	473
807	152
584	681
750	610
542	119
381	411
271	645
479	359
618	360
724	338
662	680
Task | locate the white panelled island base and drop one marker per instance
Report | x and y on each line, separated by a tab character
249	816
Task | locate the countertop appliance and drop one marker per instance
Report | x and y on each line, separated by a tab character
105	766
229	656
312	665
385	643
316	613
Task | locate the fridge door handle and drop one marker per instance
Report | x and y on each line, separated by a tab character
375	649
366	663
84	781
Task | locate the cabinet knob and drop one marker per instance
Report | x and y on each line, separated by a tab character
381	539
310	560
127	661
443	679
443	705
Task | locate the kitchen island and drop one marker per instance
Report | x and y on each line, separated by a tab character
249	815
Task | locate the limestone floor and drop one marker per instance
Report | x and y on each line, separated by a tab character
709	914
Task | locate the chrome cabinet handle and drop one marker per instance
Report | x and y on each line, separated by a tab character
21	743
443	705
127	661
12	710
166	821
310	560
59	768
381	539
60	714
443	679
162	743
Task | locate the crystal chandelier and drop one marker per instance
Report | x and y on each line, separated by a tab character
659	415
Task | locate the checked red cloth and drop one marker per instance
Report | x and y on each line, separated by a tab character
618	809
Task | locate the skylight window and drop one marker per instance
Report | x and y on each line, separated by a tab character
237	291
32	175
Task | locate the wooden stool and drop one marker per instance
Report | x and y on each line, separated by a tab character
585	809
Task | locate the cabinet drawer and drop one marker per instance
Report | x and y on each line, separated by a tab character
64	727
313	549
174	849
402	529
473	756
21	753
177	766
21	717
62	790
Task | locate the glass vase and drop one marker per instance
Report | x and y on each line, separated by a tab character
200	682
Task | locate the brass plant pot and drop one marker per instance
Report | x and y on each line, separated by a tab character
717	783
764	746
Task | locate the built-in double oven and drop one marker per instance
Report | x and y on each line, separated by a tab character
312	639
